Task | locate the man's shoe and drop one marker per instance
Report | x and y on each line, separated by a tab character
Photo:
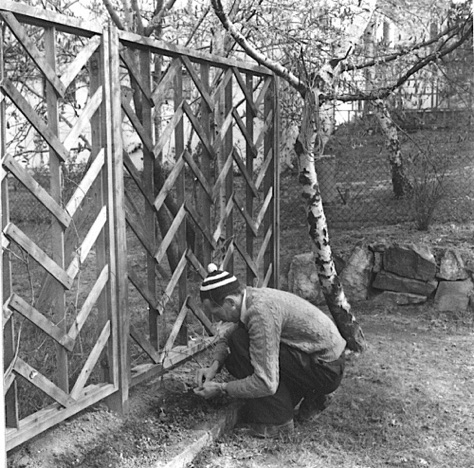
312	406
264	431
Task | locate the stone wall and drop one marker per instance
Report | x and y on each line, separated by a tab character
394	273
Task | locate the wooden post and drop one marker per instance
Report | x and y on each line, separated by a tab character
226	150
249	164
276	185
205	163
180	197
119	401
57	231
4	189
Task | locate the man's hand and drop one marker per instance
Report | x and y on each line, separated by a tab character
205	375
210	390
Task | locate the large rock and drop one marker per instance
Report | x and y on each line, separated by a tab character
357	274
453	296
397	298
451	266
303	278
391	282
411	261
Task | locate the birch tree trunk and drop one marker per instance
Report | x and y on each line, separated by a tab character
400	181
318	230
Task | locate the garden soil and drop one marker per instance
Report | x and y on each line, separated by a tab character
408	401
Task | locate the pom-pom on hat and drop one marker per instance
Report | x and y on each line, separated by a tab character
218	284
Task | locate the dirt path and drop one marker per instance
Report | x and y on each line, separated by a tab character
407	402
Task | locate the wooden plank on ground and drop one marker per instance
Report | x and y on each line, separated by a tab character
34	316
40	381
38	192
40	421
16	235
91	361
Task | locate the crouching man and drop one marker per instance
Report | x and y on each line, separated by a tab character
284	352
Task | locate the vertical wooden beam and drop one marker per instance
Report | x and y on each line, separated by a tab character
249	160
205	162
182	337
99	191
229	182
112	363
276	184
5	347
119	401
148	185
57	231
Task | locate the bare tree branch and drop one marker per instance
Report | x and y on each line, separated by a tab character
113	14
276	67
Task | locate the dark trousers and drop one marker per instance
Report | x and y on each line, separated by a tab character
300	374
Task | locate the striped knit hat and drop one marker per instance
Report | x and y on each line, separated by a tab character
218	284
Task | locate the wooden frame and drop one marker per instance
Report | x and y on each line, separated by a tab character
213	205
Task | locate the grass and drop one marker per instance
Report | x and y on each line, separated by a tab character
406	402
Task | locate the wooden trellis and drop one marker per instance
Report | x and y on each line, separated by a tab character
118	262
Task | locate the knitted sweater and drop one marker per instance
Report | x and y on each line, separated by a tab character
271	316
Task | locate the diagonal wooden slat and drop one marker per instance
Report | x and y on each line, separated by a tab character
221	225
136	176
15	302
196	263
263	248
142	289
248	96
160	93
201	316
221	85
135	221
89	303
264	168
168	131
19	237
266	280
245	134
263	92
198	173
248	219
137	125
222	133
30	47
6	313
135	74
30	114
85	184
8	380
38	192
178	322
204	229
87	243
80	60
169	183
199	130
263	209
172	284
84	119
244	172
264	130
197	81
40	381
145	345
248	260
223	174
91	361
